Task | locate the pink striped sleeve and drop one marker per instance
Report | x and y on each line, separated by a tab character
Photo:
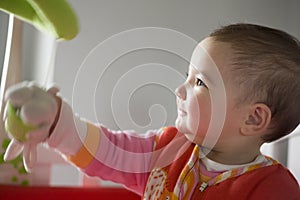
119	156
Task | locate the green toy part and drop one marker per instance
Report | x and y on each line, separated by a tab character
52	16
15	126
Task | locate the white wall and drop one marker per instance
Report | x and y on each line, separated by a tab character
100	20
294	143
99	68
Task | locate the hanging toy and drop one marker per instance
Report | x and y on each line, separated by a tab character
14	124
55	17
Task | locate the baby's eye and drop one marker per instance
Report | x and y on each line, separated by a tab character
199	82
186	74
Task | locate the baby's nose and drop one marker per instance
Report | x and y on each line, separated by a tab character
181	92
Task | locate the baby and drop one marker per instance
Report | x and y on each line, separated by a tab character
242	90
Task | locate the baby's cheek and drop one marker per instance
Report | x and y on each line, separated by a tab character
202	120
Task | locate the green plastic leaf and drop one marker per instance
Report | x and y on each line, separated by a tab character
52	16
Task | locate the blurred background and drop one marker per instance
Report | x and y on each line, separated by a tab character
123	67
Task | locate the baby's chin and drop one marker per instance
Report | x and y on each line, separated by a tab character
192	137
179	126
185	132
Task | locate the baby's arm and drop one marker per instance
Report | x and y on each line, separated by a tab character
119	156
122	157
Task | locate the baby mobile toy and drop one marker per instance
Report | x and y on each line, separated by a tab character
54	17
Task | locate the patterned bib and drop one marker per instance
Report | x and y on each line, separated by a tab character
176	171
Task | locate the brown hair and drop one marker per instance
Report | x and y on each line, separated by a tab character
266	66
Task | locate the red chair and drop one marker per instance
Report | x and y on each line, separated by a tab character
8	192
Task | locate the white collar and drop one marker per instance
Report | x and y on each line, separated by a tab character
214	166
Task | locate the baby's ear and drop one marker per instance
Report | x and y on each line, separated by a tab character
257	120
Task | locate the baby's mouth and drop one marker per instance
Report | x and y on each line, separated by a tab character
181	112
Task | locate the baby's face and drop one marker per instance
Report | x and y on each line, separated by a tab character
206	100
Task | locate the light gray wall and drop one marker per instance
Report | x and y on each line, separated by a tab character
100	20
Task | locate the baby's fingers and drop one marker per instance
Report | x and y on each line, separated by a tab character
13	150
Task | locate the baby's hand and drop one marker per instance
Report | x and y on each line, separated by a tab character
29	115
